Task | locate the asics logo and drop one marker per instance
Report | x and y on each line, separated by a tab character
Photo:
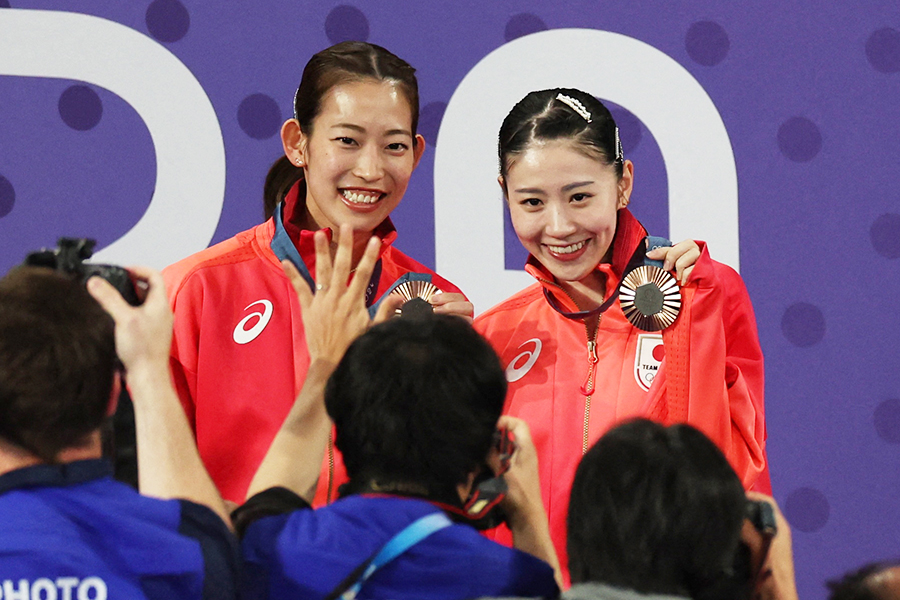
515	373
245	336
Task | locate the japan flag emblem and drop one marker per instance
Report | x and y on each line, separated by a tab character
647	358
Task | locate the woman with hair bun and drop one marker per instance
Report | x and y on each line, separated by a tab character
576	363
239	354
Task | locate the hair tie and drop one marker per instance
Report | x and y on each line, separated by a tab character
575	105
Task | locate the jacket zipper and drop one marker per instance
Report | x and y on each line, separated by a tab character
588	387
330	467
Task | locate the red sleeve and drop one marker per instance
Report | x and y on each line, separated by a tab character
745	380
725	380
185	299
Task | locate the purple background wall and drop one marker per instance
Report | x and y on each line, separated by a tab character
810	101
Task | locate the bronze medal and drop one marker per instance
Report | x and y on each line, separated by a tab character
412	290
650	298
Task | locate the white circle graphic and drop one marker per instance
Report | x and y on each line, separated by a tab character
185	208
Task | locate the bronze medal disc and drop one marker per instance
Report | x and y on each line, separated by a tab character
650	298
410	290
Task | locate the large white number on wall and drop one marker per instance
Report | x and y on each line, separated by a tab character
190	154
699	161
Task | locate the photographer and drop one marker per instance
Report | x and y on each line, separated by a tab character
68	529
416	403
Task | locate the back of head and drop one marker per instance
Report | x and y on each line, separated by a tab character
342	63
57	361
658	510
415	403
875	581
560	114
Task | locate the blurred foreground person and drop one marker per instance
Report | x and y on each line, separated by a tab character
658	512
876	581
68	530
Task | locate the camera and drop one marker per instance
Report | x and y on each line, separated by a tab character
69	256
482	508
762	516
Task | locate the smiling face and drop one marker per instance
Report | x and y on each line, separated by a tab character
359	156
563	206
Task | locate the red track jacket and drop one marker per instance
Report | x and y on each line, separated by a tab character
239	355
706	370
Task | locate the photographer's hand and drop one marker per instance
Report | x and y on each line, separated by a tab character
523	504
332	318
336	314
169	465
143	333
776	581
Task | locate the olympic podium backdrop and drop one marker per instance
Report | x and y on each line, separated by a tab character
769	130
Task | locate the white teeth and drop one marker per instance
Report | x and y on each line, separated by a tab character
567	249
361	197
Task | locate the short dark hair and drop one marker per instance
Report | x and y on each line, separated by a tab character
342	63
657	510
861	583
416	401
57	361
541	116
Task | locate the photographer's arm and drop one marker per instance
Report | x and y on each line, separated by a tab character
776	580
332	318
169	465
524	507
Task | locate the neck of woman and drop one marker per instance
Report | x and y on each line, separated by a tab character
308	221
587	293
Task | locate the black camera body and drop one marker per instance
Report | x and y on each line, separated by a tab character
69	256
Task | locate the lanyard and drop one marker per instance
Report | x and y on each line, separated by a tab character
411	535
637	259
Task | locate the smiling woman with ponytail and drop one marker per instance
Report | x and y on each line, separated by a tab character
239	355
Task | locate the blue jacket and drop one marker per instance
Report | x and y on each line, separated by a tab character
307	553
71	531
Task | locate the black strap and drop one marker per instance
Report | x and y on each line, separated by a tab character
636	260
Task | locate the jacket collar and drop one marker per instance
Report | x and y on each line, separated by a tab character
294	207
47	475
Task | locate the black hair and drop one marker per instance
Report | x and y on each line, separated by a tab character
861	584
658	510
57	361
415	404
338	64
544	116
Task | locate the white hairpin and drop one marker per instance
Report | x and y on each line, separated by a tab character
620	155
575	105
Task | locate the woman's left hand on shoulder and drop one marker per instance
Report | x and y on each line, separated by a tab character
453	303
681	257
